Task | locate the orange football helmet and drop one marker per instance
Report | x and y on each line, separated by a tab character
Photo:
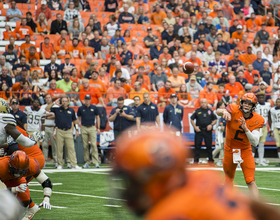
150	164
18	163
251	98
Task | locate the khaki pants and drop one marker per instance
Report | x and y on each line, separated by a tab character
65	137
264	132
277	137
45	144
89	133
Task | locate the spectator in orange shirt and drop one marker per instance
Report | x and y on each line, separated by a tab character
249	57
209	94
215	9
212	4
8	33
138	91
64	35
124	85
43	27
47	49
250	72
93	92
165	54
233	87
268	19
237	35
85	65
103	77
164	94
158	16
243	44
146	78
114	92
194	60
176	81
147	64
32	54
136	49
75	51
96	83
62	50
23	30
253	24
35	66
44	9
87	49
24	48
54	92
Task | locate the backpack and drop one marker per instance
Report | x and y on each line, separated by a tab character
103	117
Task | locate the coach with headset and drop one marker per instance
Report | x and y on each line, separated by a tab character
64	116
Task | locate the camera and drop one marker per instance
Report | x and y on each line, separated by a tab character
121	111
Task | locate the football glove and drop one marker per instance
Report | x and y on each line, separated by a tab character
19	189
37	136
46	203
10	140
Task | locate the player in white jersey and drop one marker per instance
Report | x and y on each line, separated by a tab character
274	124
8	127
262	108
35	116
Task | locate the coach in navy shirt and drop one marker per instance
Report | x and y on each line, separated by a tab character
18	114
121	116
147	112
173	113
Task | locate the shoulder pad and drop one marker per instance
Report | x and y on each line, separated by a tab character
9	119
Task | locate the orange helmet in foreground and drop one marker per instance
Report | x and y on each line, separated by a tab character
150	165
251	98
19	163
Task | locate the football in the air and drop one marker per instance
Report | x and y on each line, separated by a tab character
188	67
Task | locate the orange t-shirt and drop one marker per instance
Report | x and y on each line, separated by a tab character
55	92
61	50
113	93
233	90
133	93
211	4
99	85
243	46
270	22
186	47
158	17
16	86
147	66
84	66
166	56
47	50
249	76
127	88
210	96
235	136
213	14
22	31
95	94
165	94
167	71
76	51
74	80
197	60
247	59
8	34
254	25
237	36
25	47
88	50
40	71
29	57
41	27
105	81
108	56
146	79
3	95
112	70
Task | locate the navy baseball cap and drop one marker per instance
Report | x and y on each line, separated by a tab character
174	95
87	97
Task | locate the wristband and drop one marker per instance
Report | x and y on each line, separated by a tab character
76	127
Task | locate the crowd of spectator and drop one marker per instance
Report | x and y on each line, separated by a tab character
132	47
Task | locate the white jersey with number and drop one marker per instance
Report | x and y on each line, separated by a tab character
5	119
275	117
34	118
263	110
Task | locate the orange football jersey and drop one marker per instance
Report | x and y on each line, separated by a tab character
203	197
235	135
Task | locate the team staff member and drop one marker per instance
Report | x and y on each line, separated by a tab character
121	116
147	112
205	120
173	113
19	115
136	104
64	116
86	115
48	127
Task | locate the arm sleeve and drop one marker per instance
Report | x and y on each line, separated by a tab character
253	137
25	141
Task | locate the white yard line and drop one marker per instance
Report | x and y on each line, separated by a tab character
76	194
58	207
116	206
262	188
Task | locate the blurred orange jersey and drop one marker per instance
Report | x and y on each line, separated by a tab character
203	197
235	135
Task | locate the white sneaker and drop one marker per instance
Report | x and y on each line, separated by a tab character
265	161
31	212
219	163
263	164
257	160
59	167
86	165
97	165
77	168
69	166
55	165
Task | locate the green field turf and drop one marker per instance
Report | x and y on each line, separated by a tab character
87	194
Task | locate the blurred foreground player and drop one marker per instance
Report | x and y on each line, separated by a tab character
242	131
151	169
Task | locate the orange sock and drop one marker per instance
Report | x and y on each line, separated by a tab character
31	205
